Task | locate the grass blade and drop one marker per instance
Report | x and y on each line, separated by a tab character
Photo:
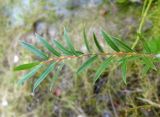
69	43
62	48
29	74
47	45
102	68
43	75
124	70
26	66
86	64
55	77
34	50
122	45
108	39
97	43
86	40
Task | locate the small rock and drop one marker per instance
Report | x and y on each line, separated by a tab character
52	31
73	4
40	27
16	59
95	3
57	92
80	116
4	102
106	114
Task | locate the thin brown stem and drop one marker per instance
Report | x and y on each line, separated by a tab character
119	54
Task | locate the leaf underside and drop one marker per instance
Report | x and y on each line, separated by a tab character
108	39
55	77
122	45
86	41
62	48
29	74
87	64
34	50
69	43
102	68
97	43
47	45
43	75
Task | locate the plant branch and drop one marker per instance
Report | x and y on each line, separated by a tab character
120	54
144	14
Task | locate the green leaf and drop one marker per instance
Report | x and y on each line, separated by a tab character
86	41
69	43
154	45
108	39
145	44
102	68
87	64
62	48
79	53
97	43
43	75
29	74
34	50
129	58
149	64
47	45
55	77
146	68
122	45
146	47
124	70
26	66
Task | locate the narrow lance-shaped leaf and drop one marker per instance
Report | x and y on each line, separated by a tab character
79	53
87	64
43	75
69	43
108	39
29	74
47	45
62	48
124	70
55	77
129	58
97	43
149	63
102	68
26	66
34	50
146	68
122	45
145	44
86	41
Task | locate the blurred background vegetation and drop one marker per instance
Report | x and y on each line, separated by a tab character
75	96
